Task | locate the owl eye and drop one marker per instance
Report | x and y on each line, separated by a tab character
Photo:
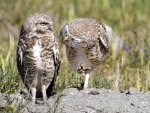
76	40
43	23
73	39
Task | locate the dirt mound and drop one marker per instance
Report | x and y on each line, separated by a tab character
75	101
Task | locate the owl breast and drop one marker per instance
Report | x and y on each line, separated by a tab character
86	57
36	53
82	60
77	58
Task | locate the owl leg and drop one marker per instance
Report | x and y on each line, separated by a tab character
32	84
86	80
92	91
33	92
44	94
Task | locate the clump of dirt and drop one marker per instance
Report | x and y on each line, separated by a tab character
90	101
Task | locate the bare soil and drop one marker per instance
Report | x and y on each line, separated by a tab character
75	101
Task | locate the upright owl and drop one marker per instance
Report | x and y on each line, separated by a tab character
38	58
86	44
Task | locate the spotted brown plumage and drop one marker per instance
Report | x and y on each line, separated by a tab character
38	58
86	44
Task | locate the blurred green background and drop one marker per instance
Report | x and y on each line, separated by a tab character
126	65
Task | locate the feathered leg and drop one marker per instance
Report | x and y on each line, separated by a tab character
86	80
33	92
44	94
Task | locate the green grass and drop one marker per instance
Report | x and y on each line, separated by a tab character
121	68
10	81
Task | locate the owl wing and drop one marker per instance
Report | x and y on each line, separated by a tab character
103	38
19	59
56	58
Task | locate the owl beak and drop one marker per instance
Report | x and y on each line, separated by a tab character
65	39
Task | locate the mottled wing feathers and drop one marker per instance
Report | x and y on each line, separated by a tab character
56	57
20	65
19	58
90	31
86	27
19	54
103	37
57	62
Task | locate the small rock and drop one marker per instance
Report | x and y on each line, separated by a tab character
3	100
74	101
93	91
71	91
132	104
131	91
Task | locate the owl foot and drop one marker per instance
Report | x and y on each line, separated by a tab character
83	69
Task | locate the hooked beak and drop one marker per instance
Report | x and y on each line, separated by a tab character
66	38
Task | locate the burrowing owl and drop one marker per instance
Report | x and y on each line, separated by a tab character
38	58
86	44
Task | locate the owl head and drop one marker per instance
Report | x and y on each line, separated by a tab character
83	30
39	23
66	37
